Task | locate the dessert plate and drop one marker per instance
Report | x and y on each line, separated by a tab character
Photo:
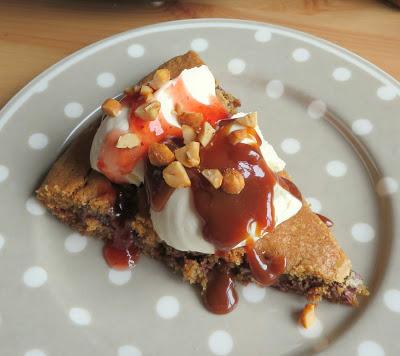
332	116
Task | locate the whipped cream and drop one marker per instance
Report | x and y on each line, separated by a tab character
180	226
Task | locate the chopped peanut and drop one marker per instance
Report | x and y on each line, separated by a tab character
148	111
132	90
111	107
178	109
175	175
189	155
160	155
233	182
249	120
238	136
161	76
145	90
188	134
307	316
214	176
193	119
206	134
128	140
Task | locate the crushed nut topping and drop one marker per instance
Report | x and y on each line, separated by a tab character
249	120
188	133
178	108
161	76
111	107
233	182
132	90
145	90
148	111
175	175
193	119
307	316
206	134
128	140
238	136
214	176
160	155
189	155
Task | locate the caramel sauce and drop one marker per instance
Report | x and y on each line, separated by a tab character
328	222
120	258
290	187
220	296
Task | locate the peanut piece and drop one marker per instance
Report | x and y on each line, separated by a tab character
175	175
128	140
148	111
249	120
161	76
307	316
193	119
189	155
178	109
233	182
132	90
160	155
145	90
188	134
214	176
111	107
206	134
238	136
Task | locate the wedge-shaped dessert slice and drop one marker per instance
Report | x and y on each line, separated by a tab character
174	172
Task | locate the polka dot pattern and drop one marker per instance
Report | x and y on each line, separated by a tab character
275	89
341	74
75	243
199	44
387	186
386	93
105	80
290	146
316	109
119	278
336	168
301	55
136	50
73	110
253	293
38	141
362	232
315	204
362	127
263	35
129	350
312	332
220	342
34	207
80	316
392	300
370	348
35	352
4	173
35	277
236	66
167	307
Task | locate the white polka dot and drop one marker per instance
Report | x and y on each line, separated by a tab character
362	232
199	44
316	109
274	89
236	66
392	300
105	80
341	74
119	277
312	332
386	93
370	348
167	307
41	86
263	35
336	168
220	342
301	55
4	173
315	204
2	241
362	127
38	141
80	316
75	243
73	110
253	293
34	207
136	50
387	186
35	277
290	146
129	350
35	352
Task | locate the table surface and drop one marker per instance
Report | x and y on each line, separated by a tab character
36	34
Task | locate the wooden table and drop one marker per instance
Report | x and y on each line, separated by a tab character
34	34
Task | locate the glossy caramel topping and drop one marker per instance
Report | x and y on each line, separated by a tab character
328	222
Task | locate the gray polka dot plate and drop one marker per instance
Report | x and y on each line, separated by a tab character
333	117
